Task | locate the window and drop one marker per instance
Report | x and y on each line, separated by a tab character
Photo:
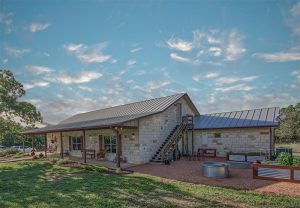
76	143
217	135
204	139
110	144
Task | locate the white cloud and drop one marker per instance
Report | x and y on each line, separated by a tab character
131	62
211	75
41	84
212	40
222	45
36	27
130	81
39	69
238	87
16	52
84	77
6	20
178	58
292	54
215	51
296	82
279	56
134	50
296	9
197	78
235	47
231	80
89	54
85	88
179	44
294	19
156	85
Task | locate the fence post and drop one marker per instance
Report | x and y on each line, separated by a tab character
255	170
292	173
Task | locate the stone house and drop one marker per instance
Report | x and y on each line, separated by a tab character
154	129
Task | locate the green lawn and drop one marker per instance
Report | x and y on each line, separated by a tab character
31	184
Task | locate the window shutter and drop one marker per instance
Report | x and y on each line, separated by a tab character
100	143
81	142
70	143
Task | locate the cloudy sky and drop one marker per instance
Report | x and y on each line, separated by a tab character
76	56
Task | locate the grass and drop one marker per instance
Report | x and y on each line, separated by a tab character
42	184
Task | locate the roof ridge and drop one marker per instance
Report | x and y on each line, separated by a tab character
237	111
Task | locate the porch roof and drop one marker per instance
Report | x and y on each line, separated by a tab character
264	117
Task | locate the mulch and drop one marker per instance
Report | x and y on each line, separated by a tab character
191	172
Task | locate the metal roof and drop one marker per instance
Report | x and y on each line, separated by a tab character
238	119
116	115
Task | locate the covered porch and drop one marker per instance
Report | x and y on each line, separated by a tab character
108	145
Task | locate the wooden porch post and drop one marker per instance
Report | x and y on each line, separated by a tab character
46	145
182	144
118	150
61	146
84	147
187	142
32	141
192	141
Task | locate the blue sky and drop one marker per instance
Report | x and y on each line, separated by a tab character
76	56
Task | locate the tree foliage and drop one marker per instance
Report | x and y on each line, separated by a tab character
15	114
289	127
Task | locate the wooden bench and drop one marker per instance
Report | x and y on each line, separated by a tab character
207	152
89	152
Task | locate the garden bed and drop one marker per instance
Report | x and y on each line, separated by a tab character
276	172
245	157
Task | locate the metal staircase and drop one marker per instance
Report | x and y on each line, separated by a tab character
169	145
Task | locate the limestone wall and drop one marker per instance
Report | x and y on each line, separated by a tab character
153	130
129	142
236	140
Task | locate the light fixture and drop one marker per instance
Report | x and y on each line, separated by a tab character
132	136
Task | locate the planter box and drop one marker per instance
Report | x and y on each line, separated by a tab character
244	157
276	172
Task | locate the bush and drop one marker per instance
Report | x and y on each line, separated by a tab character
296	161
63	161
53	159
9	151
35	157
285	158
99	169
18	155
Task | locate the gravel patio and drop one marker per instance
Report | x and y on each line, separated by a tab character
190	171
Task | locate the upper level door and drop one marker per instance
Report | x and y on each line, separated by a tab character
179	112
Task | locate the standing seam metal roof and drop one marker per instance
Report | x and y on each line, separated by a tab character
116	115
238	119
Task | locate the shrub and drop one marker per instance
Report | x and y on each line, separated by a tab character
34	157
53	159
9	151
285	158
41	155
99	169
296	161
63	161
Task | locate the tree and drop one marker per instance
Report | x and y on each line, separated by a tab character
289	127
15	114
